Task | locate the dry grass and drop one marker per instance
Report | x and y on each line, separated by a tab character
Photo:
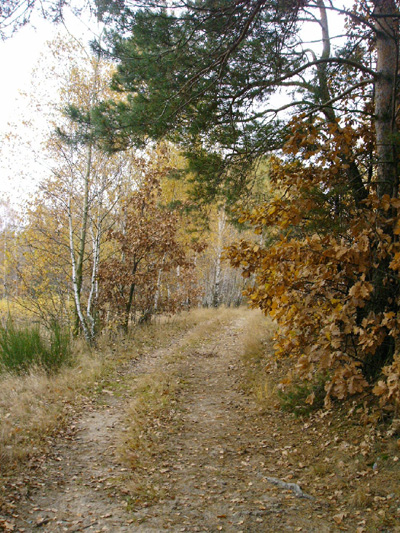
143	439
34	408
155	399
205	322
35	405
257	358
353	468
153	396
152	393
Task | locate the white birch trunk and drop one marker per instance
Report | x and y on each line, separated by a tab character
218	269
75	287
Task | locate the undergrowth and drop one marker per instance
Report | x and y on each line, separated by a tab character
36	403
25	347
342	455
304	397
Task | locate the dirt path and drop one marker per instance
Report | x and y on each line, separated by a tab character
211	474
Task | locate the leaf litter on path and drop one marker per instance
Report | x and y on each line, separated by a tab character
213	461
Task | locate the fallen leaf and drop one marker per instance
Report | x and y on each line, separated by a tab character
338	518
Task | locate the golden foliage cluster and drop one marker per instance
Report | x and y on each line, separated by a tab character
326	268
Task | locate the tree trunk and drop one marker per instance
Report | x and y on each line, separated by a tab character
217	279
129	303
82	238
384	280
386	27
356	183
77	300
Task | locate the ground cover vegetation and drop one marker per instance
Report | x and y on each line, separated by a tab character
203	74
149	403
36	406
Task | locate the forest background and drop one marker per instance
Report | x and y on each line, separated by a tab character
133	217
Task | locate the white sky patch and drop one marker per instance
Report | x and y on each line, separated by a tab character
18	56
21	166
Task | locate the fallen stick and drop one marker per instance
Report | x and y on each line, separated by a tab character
289	486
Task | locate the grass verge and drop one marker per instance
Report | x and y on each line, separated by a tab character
257	359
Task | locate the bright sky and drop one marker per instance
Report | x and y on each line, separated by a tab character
19	172
19	55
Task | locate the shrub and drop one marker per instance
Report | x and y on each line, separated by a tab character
25	346
60	345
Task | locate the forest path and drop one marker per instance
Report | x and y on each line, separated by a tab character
209	471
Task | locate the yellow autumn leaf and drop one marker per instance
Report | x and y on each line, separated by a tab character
385	202
310	398
380	388
361	289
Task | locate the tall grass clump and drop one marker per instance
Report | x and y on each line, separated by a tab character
60	345
24	347
257	354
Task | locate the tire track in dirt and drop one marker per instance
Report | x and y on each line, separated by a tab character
214	472
211	473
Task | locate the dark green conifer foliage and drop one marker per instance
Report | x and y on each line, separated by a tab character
199	74
202	73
